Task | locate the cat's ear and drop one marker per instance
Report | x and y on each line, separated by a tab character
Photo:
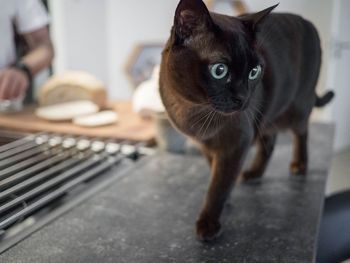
191	17
252	20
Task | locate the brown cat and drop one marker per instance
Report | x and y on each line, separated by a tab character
230	81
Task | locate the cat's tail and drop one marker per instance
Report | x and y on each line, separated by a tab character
325	99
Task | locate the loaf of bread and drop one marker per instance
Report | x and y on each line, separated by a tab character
73	86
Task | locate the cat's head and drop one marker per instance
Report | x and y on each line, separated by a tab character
212	59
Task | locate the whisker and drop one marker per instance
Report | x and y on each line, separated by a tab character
202	114
262	115
210	120
203	124
260	134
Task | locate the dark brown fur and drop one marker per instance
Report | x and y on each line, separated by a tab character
288	48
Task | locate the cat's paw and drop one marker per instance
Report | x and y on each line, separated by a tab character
207	230
251	175
297	168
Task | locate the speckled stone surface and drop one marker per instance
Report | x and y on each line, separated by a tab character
149	215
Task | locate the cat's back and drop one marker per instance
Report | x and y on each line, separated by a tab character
285	30
291	48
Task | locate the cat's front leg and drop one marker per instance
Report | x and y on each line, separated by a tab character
208	155
300	153
265	146
225	170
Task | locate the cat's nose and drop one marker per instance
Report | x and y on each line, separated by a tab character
237	101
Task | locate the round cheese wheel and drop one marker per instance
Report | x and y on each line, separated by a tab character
66	111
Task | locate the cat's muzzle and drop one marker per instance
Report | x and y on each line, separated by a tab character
229	106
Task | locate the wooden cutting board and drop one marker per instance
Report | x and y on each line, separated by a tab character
129	127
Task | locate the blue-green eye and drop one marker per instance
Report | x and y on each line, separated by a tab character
255	73
219	71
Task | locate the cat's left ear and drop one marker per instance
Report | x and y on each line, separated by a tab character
191	17
252	20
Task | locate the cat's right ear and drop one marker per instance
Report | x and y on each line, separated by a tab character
251	21
191	17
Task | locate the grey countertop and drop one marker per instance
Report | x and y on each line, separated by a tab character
149	215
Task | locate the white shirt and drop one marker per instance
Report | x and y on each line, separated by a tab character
27	15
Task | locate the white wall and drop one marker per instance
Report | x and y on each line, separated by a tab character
99	35
339	77
129	23
79	32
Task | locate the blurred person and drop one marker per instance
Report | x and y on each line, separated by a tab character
28	19
239	6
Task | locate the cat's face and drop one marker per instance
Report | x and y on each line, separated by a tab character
212	57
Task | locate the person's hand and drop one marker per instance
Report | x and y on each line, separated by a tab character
13	84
